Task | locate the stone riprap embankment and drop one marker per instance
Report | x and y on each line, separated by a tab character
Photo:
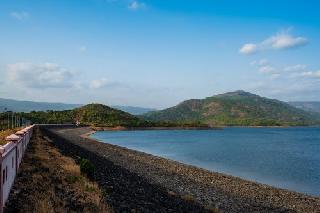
124	190
146	183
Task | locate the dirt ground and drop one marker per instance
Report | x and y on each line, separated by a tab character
47	181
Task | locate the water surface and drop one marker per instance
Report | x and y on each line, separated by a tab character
283	157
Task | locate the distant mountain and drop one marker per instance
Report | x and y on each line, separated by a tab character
134	110
310	106
91	114
234	108
28	106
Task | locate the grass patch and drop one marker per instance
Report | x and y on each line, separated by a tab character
5	133
73	179
87	168
90	187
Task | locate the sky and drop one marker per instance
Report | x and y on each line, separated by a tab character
157	53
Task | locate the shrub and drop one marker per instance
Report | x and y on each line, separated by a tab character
87	168
73	179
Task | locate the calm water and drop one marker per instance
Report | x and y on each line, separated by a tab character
283	157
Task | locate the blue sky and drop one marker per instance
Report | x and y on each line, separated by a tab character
158	53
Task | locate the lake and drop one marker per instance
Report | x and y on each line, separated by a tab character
283	157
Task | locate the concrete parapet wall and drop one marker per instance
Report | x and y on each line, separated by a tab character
11	155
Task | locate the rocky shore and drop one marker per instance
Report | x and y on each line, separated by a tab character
138	181
121	128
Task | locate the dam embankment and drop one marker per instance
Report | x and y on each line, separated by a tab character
125	190
138	181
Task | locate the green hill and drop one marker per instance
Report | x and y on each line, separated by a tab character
234	108
91	114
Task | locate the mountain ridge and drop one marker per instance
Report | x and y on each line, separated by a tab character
234	108
28	106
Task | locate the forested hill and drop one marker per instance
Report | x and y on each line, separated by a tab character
91	114
234	108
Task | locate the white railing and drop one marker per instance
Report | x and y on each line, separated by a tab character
10	158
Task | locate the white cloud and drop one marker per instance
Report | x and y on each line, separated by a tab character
288	90
317	74
261	62
135	5
248	49
20	15
306	74
293	71
280	41
275	75
46	75
295	68
98	83
267	69
283	41
300	70
312	74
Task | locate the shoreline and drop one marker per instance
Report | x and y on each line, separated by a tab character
88	136
227	193
122	128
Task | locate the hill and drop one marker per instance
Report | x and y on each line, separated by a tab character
28	106
310	106
234	108
91	114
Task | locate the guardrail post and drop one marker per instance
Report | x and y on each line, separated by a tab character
22	134
14	138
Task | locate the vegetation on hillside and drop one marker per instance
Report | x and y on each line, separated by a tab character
91	114
230	109
235	108
99	115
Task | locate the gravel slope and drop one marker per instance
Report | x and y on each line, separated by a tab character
125	191
204	188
